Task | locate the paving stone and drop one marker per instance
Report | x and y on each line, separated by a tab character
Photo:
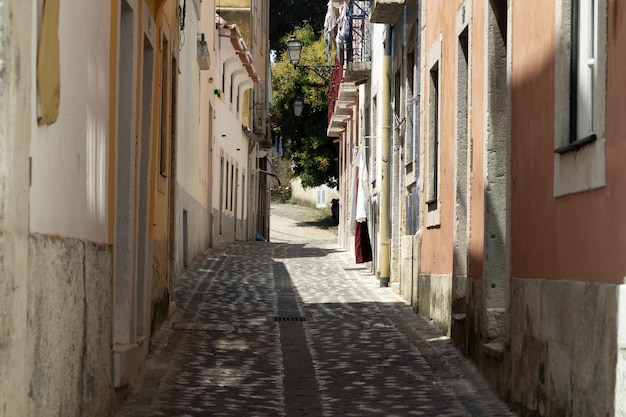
296	329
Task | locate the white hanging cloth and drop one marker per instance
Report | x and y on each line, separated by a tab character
363	193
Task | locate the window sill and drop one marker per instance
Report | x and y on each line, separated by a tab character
574	146
409	179
433	214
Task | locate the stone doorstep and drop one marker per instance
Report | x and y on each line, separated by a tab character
494	350
127	359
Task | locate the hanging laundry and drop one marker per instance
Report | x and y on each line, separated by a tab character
362	245
330	22
342	26
363	186
279	145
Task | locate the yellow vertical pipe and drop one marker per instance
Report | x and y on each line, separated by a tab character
385	200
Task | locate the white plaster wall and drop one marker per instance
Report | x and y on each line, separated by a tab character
15	92
233	144
198	224
374	84
309	196
192	150
230	141
69	192
194	140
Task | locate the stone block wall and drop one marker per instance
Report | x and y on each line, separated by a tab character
70	327
563	347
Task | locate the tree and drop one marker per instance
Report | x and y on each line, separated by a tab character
312	153
287	15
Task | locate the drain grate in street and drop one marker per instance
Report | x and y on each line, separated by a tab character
287	318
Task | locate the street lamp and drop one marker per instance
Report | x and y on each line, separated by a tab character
294	49
298	105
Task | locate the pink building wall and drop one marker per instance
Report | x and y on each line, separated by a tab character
580	236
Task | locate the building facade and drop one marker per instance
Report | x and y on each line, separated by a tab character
142	91
110	177
495	133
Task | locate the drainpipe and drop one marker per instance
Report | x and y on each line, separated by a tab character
385	200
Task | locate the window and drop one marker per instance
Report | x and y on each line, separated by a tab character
583	72
409	149
433	135
232	83
48	64
232	186
580	80
221	206
433	216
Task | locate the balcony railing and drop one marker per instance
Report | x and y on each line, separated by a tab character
336	78
358	41
356	54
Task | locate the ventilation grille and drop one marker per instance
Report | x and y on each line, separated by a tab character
287	318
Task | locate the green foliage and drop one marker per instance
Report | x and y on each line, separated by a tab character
287	15
312	153
285	194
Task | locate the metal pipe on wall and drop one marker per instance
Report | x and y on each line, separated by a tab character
385	191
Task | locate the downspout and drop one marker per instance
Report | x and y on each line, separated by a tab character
385	197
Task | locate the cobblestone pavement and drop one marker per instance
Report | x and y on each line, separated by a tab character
295	328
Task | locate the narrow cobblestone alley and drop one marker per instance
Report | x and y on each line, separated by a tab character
296	328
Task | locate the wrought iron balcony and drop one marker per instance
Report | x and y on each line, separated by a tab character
353	68
358	42
342	97
336	79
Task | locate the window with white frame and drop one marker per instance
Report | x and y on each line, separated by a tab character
583	70
433	135
581	53
409	149
433	217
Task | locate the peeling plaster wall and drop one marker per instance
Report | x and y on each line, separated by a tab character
70	326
